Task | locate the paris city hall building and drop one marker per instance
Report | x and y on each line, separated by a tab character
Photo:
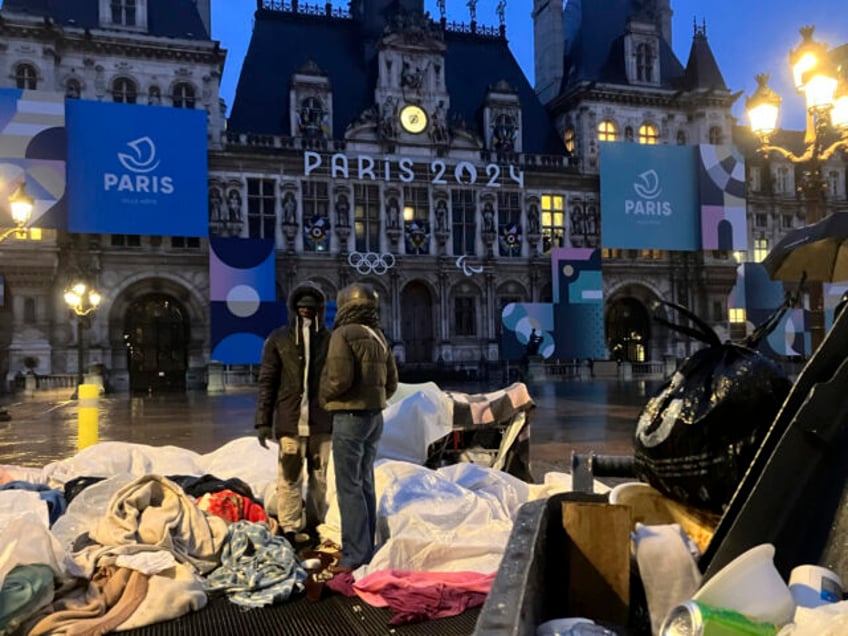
375	143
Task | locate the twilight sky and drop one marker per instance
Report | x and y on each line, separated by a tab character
747	37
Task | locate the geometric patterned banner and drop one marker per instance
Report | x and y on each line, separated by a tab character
33	149
721	180
242	294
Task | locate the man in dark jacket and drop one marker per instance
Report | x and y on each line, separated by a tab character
292	359
359	376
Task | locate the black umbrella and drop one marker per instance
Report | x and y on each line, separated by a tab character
820	250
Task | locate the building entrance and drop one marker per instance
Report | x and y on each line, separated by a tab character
156	330
628	330
416	306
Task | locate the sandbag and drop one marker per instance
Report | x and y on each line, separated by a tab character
697	436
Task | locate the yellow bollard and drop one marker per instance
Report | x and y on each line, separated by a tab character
87	432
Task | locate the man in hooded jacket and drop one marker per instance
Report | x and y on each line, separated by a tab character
358	378
287	405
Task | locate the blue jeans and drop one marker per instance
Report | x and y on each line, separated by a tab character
355	438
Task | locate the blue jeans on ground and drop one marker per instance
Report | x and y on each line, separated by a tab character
355	438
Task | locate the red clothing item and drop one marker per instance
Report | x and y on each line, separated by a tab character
232	506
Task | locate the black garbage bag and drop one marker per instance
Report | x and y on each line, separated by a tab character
697	436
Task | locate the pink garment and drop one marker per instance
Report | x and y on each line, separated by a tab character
419	596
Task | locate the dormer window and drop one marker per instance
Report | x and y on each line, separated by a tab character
503	133
183	95
311	118
26	77
644	63
124	91
715	135
124	12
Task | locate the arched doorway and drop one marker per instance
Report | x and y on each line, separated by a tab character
416	307
156	331
628	330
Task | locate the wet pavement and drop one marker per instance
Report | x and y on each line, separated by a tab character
598	415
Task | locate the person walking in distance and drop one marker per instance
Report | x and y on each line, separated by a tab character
287	404
359	376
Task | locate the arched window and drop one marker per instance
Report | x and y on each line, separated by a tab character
26	77
124	12
607	131
569	139
715	135
124	91
183	95
648	134
73	89
681	138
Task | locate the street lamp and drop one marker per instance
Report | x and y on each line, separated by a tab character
822	77
21	205
83	300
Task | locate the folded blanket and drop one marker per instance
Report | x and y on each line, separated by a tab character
496	407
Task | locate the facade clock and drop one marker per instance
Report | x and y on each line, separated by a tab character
413	119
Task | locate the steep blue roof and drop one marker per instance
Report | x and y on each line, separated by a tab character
282	42
165	18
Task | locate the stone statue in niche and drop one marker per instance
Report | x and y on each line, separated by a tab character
439	126
216	205
533	219
393	213
388	119
289	209
591	221
577	225
342	211
234	206
441	216
488	217
412	77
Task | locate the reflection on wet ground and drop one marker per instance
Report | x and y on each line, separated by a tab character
577	416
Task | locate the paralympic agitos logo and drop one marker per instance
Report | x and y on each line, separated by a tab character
139	165
647	188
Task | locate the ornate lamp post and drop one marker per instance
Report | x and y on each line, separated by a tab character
823	80
21	205
83	300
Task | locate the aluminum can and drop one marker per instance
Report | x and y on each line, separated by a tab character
696	619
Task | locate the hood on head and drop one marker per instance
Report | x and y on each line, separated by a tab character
307	288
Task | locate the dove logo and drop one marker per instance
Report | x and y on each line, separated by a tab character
647	188
139	162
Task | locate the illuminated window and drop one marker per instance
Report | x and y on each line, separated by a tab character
607	131
366	218
740	255
648	134
736	315
124	91
568	139
553	221
761	249
26	77
183	96
610	253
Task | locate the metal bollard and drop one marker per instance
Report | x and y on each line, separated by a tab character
87	415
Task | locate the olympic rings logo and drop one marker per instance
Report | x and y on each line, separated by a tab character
371	262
